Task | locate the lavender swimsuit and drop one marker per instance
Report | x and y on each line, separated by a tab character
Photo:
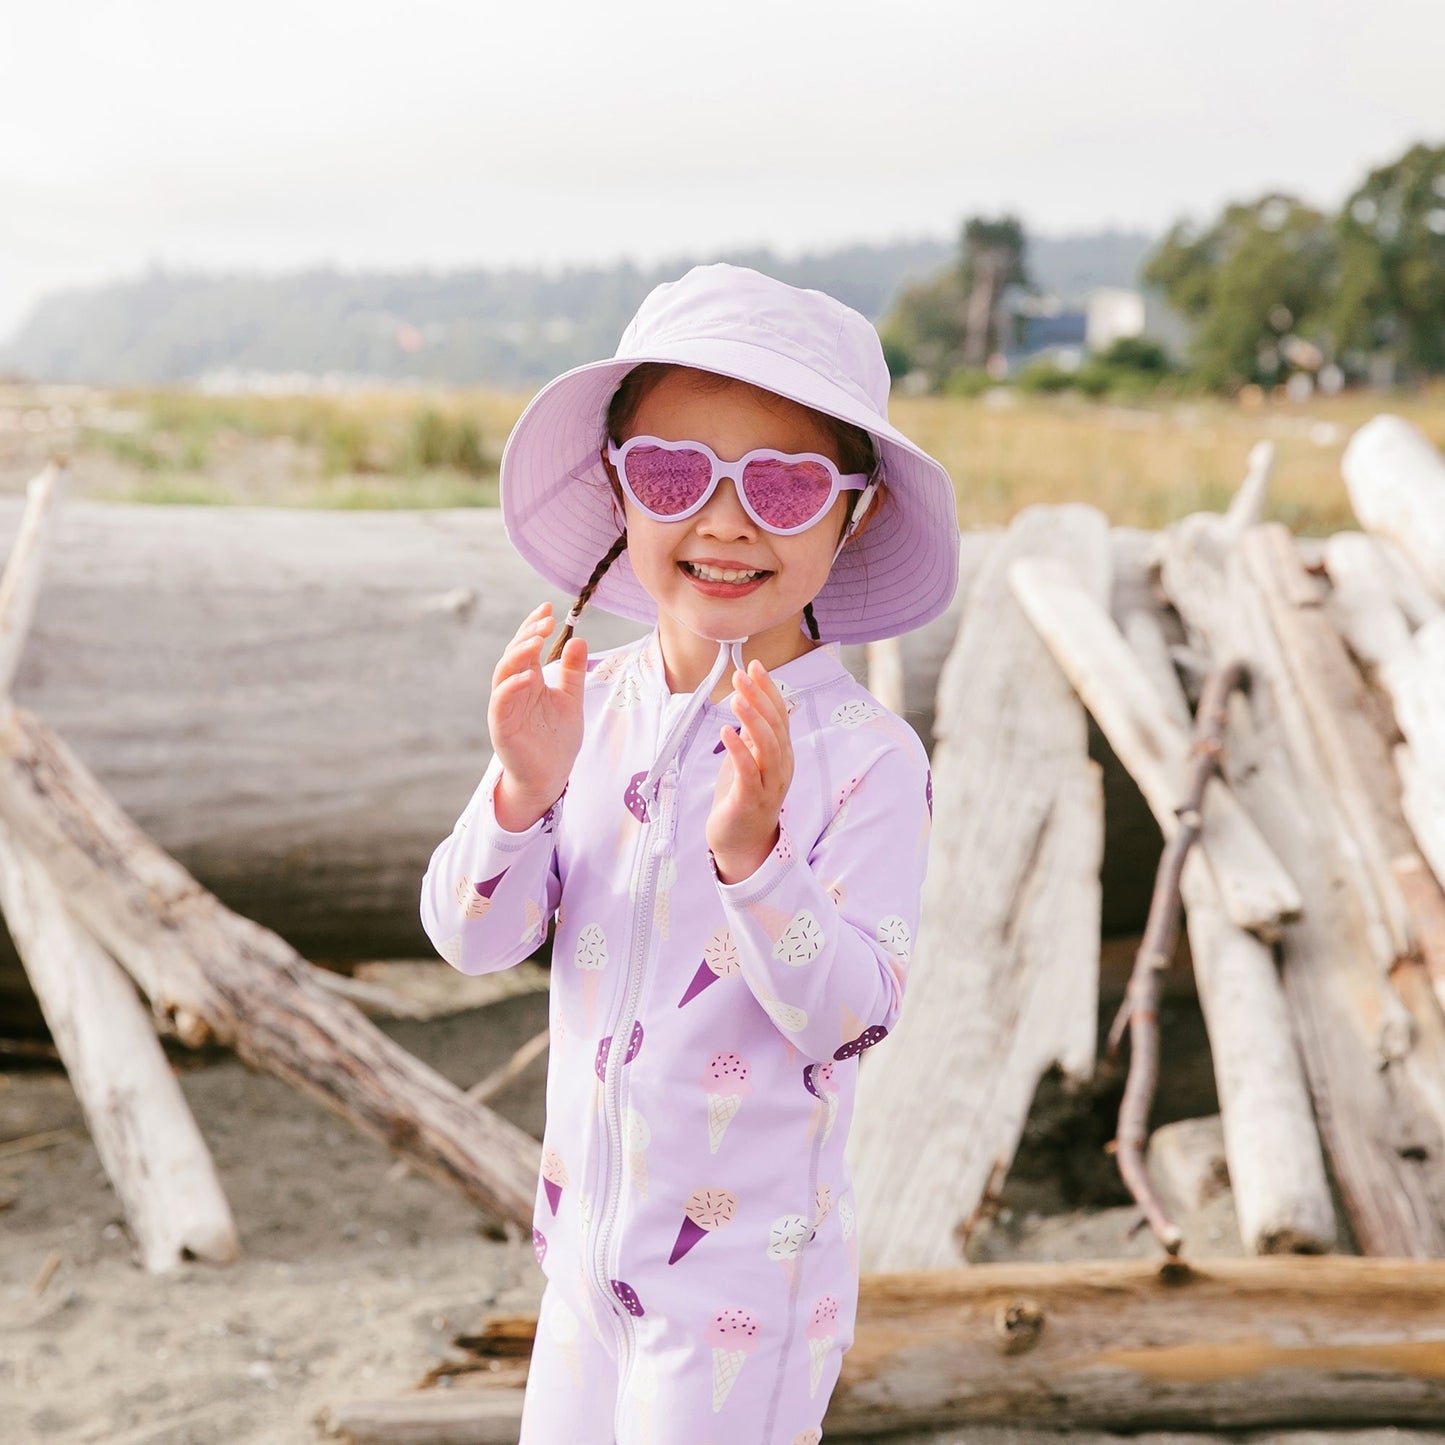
695	1217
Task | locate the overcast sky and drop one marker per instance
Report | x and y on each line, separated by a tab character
282	133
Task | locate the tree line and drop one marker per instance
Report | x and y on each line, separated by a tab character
1270	288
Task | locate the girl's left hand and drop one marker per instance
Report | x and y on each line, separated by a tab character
757	768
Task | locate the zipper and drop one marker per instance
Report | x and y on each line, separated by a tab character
656	841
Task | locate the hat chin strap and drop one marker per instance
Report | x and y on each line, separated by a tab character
728	650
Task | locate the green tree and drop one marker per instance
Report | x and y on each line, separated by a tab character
1257	279
992	257
924	330
1390	295
951	322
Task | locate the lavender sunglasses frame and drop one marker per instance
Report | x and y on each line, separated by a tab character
851	482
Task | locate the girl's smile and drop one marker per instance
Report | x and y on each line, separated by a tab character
718	575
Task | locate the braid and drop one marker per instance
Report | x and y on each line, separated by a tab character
811	621
585	595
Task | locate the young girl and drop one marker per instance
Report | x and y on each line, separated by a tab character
731	837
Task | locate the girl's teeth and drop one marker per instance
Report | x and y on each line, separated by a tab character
721	574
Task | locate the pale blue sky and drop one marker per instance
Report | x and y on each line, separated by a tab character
282	133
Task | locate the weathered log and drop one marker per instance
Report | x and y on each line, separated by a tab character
1362	604
1140	1013
1256	891
1396	482
138	1119
20	583
1281	1194
1385	1148
1004	981
211	974
1121	1345
148	1143
296	701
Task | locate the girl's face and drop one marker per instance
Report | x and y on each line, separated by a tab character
679	562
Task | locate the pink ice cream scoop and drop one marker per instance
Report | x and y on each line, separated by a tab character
733	1336
824	1321
733	1330
726	1074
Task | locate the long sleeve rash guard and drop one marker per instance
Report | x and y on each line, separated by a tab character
704	1036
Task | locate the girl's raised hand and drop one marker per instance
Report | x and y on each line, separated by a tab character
536	729
742	828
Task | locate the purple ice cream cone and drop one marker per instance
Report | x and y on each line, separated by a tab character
687	1236
489	886
554	1193
700	980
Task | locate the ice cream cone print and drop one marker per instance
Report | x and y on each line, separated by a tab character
721	1109
719	960
624	697
532	924
562	1325
476	898
821	1082
554	1177
800	942
451	950
813	1436
787	1016
848	1223
822	1336
786	1238
733	1336
896	940
725	1082
771	920
661	903
705	1211
824	1205
590	957
636	1136
642	1386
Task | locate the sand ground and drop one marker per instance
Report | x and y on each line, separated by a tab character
350	1284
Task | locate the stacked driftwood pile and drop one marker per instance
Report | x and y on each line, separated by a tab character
1337	1050
1315	917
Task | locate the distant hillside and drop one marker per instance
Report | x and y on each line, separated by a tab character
505	327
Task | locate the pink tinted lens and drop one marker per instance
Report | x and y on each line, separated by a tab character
787	494
667	482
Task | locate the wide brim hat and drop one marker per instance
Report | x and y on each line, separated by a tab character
559	510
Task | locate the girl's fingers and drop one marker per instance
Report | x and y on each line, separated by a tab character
574	669
768	732
745	768
522	656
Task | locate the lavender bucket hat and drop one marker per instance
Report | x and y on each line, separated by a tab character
558	508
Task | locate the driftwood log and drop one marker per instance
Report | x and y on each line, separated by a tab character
1004	982
1280	1190
1396	482
213	976
1304	782
1123	1345
82	882
296	701
134	1109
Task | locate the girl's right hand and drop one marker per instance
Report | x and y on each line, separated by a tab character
536	729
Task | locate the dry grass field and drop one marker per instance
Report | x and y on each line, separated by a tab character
1143	464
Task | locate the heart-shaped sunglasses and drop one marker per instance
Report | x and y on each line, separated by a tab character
782	492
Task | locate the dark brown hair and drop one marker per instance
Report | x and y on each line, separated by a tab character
855	449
